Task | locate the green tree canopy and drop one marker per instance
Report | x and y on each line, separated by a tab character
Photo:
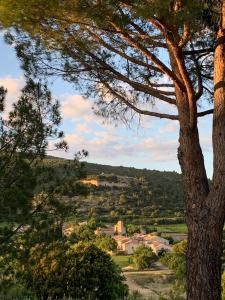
24	138
132	229
176	261
82	271
106	243
143	257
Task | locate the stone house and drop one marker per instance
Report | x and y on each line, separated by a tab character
157	247
130	246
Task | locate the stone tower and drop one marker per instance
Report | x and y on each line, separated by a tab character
119	228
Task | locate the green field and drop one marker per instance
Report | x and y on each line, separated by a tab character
181	228
122	260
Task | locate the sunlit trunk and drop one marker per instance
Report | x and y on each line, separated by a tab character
204	228
205	213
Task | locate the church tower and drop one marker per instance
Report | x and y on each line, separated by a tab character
119	228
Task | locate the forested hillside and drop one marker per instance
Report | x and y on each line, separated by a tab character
136	195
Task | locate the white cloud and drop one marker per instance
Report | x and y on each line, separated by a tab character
169	127
76	106
114	146
150	142
83	128
13	86
105	141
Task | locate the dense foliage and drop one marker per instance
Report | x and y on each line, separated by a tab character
106	243
143	257
25	130
31	209
176	261
81	271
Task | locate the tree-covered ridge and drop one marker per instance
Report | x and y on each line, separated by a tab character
144	197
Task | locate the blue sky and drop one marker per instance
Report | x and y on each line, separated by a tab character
151	144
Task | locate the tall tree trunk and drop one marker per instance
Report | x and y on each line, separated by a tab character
204	226
196	186
214	206
219	105
205	210
203	256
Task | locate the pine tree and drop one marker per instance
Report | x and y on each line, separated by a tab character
130	55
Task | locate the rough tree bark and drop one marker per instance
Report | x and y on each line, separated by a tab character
205	209
197	189
205	206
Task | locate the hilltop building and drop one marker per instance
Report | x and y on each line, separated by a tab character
108	180
91	181
155	239
121	240
129	244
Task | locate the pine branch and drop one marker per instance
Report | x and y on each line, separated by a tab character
199	75
208	90
198	51
205	113
122	54
136	85
185	37
138	110
150	56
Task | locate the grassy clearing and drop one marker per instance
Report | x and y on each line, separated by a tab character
123	260
181	228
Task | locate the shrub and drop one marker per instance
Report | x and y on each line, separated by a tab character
144	257
82	271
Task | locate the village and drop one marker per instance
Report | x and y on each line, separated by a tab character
128	244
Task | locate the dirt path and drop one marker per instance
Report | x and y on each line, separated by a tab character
165	272
149	283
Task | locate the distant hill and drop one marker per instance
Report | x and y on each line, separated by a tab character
147	196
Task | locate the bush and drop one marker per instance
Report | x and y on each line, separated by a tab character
144	257
106	243
132	229
82	271
176	261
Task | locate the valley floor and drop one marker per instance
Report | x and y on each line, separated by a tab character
150	283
